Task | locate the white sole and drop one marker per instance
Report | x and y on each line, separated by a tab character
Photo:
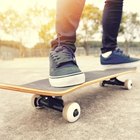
67	81
118	66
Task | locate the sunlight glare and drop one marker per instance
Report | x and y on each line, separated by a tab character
23	5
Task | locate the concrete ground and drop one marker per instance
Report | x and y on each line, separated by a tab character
107	113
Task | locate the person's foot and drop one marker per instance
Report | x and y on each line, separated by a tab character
64	70
117	59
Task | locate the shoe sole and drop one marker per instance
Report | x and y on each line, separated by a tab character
125	65
68	80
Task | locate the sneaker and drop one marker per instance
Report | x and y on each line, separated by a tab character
117	59
64	70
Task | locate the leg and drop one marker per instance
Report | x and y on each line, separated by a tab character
111	22
112	56
64	70
67	21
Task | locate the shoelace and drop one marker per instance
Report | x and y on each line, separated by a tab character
118	50
62	55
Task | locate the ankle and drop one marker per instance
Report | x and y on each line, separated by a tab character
106	54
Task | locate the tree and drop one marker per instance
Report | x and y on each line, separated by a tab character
36	21
89	26
47	32
12	24
130	28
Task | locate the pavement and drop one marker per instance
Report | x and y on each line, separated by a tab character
107	113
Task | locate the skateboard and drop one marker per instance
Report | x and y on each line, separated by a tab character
46	96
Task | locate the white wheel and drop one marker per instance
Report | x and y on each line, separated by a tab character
128	84
34	101
71	112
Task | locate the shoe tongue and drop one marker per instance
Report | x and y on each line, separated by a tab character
65	56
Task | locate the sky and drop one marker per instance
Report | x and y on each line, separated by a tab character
22	5
129	5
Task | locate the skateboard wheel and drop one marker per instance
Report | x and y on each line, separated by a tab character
34	101
71	112
128	84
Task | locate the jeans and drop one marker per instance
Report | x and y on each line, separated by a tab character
68	15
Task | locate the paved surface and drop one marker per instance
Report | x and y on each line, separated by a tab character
107	113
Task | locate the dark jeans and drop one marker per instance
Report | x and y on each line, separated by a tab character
68	17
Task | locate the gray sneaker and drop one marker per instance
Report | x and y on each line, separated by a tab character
64	70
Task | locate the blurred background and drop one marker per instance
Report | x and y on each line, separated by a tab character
27	28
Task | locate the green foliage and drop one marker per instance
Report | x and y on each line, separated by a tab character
89	26
47	32
130	27
12	21
42	21
90	21
37	19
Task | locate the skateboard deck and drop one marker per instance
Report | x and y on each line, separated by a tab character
45	96
42	87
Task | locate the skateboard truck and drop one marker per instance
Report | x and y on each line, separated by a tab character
115	82
71	111
48	102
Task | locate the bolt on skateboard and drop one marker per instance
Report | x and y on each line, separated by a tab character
46	96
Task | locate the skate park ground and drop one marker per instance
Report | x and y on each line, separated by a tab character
106	113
